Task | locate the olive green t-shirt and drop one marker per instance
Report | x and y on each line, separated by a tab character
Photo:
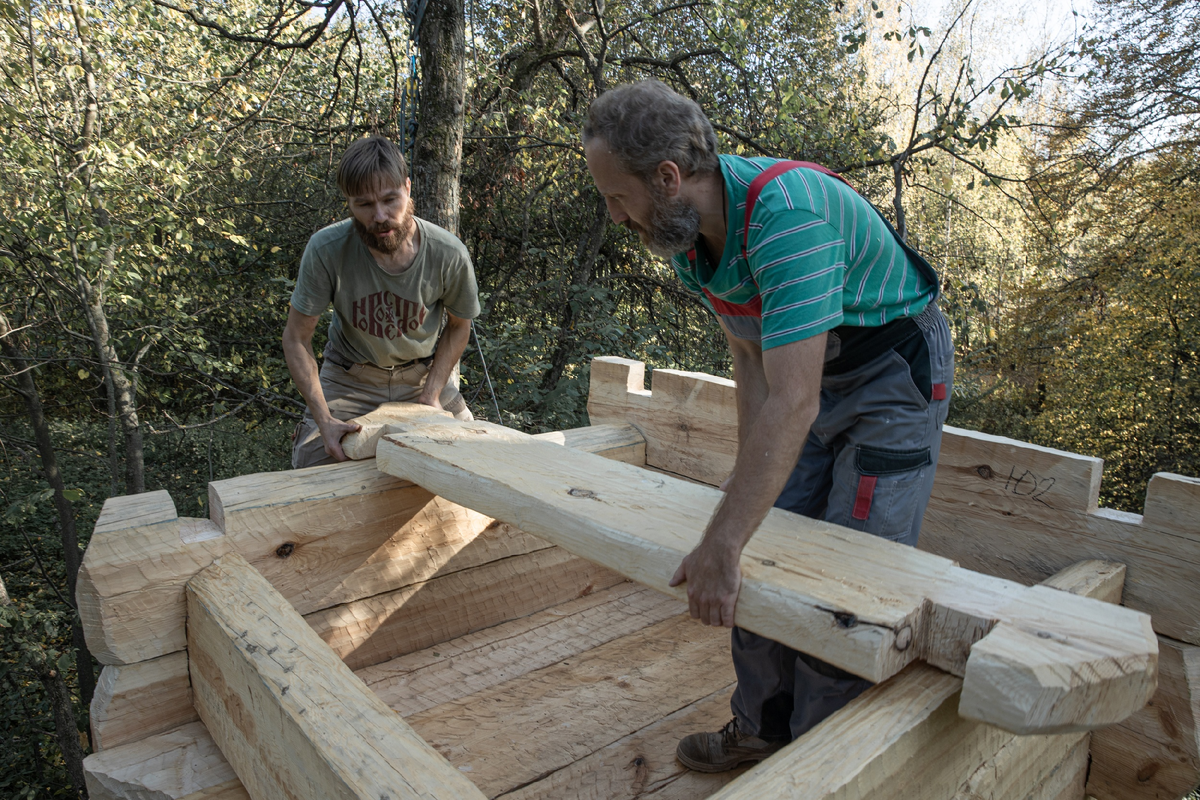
378	318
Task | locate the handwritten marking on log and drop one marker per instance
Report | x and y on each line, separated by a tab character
1047	662
971	518
291	718
1149	756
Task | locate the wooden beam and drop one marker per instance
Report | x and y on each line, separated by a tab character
567	711
902	740
322	536
130	586
133	701
999	506
1020	512
361	443
287	713
181	764
685	419
641	764
1039	660
451	670
380	628
1155	753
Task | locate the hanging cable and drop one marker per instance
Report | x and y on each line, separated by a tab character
486	376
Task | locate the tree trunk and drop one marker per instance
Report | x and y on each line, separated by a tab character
66	726
437	156
586	253
122	386
897	199
122	389
72	555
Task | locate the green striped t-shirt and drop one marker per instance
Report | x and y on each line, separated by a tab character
819	254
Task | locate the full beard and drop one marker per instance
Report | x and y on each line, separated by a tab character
404	229
673	227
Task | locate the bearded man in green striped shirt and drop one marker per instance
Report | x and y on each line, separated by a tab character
843	365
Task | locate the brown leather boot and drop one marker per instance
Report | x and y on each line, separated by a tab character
723	750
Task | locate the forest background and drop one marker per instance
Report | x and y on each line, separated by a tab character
163	166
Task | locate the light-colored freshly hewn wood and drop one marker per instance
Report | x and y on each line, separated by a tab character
130	587
1023	512
133	701
233	790
322	536
450	670
1030	767
1040	660
379	628
641	764
1155	753
341	532
1173	504
999	506
621	442
1099	580
135	511
685	418
982	517
290	717
902	740
511	734
361	443
182	763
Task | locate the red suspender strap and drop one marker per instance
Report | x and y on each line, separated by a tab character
769	174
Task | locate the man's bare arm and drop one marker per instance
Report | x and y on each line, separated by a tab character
297	351
751	385
766	457
450	348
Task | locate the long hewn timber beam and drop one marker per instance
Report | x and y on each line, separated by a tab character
1005	508
902	740
1033	660
292	719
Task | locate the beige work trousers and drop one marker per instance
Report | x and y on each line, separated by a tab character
360	389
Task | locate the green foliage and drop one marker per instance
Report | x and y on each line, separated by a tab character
33	641
167	167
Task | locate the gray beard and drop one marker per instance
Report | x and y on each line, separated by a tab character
673	228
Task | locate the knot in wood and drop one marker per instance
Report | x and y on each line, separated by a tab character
286	549
844	620
903	638
584	493
766	562
985	472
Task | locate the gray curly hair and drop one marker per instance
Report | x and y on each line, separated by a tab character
647	123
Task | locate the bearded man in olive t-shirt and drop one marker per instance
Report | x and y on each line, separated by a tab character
403	294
